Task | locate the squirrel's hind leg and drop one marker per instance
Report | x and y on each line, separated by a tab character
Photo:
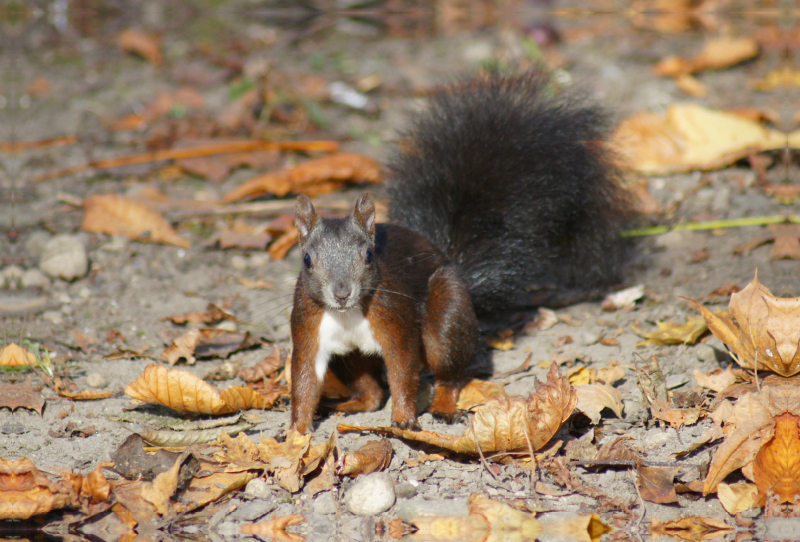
450	338
361	374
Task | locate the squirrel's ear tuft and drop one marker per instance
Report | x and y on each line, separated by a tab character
305	217
364	213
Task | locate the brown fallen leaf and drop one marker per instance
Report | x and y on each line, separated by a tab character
690	137
275	528
692	528
141	42
619	448
13	355
716	54
785	77
504	424
206	343
675	417
288	460
422	457
777	466
656	484
117	215
373	456
25	491
21	395
716	380
690	85
672	333
211	315
255	284
593	398
478	392
184	392
84	395
312	178
737	498
763	331
785	239
279	248
264	368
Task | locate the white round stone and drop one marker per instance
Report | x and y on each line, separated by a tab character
371	494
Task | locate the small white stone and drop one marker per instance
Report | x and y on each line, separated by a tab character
53	316
96	380
258	489
33	278
227	325
705	353
371	494
238	262
64	256
589	338
257	260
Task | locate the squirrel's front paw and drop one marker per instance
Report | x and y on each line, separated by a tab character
448	417
410	424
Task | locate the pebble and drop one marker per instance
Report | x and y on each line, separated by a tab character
34	245
258	489
705	353
589	338
96	380
410	509
239	263
324	504
64	256
258	260
227	325
371	494
33	278
405	490
676	381
55	317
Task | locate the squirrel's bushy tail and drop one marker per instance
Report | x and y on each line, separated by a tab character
515	186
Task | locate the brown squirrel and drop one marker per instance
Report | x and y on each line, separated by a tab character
502	199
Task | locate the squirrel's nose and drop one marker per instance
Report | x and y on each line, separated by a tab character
341	292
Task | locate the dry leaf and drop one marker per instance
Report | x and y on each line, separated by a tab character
785	77
275	528
312	178
159	492
184	392
623	298
717	54
206	343
504	424
716	380
117	215
144	44
619	448
211	315
777	466
503	344
279	248
737	498
656	484
762	326
13	355
593	398
478	392
786	239
264	368
690	137
672	333
373	456
691	86
22	395
692	528
25	491
285	459
675	417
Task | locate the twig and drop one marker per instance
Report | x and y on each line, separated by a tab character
16	146
483	459
625	463
638	524
530	450
712	225
194	152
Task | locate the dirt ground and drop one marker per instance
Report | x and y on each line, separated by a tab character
131	286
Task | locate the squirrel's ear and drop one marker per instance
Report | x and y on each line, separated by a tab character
364	213
305	217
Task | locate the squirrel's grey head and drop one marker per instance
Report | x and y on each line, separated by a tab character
338	266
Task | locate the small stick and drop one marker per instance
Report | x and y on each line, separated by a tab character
16	146
194	152
638	524
530	450
483	459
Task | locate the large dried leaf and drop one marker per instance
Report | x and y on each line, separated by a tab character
25	491
184	392
117	215
690	137
22	395
478	392
737	498
656	484
777	466
313	178
763	331
692	528
13	355
716	380
504	424
593	398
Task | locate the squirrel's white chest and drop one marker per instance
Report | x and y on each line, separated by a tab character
340	333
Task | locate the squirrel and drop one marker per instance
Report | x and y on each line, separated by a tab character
503	198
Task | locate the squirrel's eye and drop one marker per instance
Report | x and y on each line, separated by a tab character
307	260
369	256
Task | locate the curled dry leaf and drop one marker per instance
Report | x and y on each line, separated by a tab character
211	315
13	355
205	343
275	528
716	380
312	178
763	330
264	368
690	137
749	427
144	44
278	249
373	456
504	424
117	215
692	528
184	392
717	54
478	392
777	466
656	484
737	498
25	491
593	398
672	333
293	459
